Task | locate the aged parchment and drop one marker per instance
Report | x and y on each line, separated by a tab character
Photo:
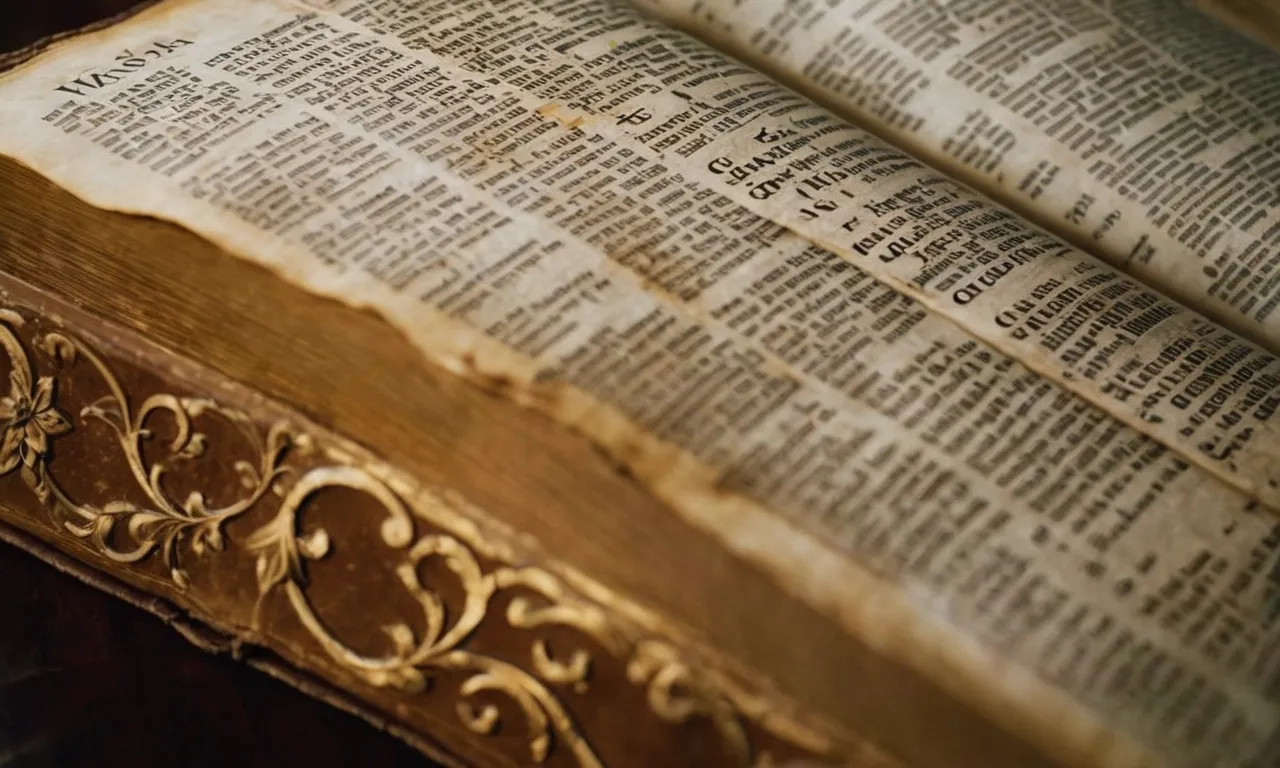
1140	129
850	369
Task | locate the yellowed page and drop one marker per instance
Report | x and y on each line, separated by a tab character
1141	129
546	192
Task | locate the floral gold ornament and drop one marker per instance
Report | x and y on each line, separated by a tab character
283	470
28	414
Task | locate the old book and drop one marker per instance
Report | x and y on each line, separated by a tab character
577	382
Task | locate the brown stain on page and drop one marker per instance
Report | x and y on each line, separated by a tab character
551	111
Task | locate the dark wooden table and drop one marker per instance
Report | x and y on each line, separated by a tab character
86	679
24	23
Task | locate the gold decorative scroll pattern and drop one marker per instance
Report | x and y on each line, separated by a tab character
171	530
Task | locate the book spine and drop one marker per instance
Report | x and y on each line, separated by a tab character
261	534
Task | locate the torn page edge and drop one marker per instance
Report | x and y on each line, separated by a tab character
879	613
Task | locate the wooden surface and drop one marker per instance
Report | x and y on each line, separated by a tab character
24	23
87	680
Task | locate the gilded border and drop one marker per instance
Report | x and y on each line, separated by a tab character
285	467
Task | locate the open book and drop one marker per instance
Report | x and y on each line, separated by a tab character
971	349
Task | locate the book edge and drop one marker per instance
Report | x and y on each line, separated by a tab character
655	653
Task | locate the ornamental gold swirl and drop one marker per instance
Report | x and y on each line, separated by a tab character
173	529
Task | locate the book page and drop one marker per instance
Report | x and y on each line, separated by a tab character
1142	130
603	219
